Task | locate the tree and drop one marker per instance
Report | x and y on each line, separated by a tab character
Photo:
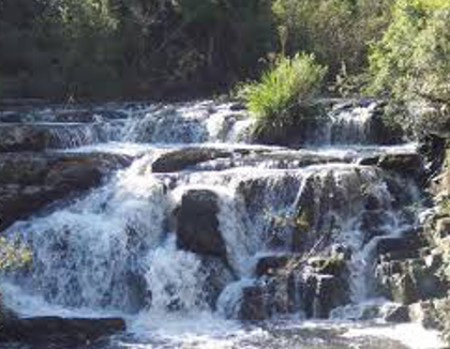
412	59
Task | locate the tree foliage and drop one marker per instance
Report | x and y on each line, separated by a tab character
99	48
336	31
159	48
412	59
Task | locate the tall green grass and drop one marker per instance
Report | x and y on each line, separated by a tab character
275	99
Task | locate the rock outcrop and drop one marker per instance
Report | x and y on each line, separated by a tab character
198	224
29	181
59	332
179	160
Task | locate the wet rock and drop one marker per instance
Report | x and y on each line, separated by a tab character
399	248
84	116
29	182
39	137
381	132
59	332
433	149
254	304
237	106
139	295
322	293
373	224
11	117
408	281
398	314
369	161
408	164
198	225
24	138
218	276
372	203
271	265
178	160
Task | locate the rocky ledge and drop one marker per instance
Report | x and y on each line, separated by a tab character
56	332
30	181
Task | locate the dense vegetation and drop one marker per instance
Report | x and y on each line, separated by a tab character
128	48
100	49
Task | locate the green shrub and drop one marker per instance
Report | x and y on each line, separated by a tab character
281	97
336	31
411	61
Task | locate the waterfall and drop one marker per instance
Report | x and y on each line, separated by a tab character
118	247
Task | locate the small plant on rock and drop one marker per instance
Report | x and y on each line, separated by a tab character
282	97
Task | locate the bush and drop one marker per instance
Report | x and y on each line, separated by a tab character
280	99
336	31
411	61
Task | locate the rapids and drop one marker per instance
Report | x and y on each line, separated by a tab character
114	250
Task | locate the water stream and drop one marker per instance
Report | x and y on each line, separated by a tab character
114	250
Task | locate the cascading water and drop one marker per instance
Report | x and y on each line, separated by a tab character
119	248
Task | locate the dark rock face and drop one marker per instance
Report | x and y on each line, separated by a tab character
218	276
381	133
198	226
292	284
406	247
271	265
23	138
38	137
398	315
408	164
59	332
140	297
28	182
74	116
180	159
408	281
254	304
323	293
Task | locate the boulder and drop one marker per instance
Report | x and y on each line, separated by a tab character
198	225
179	160
399	314
254	304
59	332
408	281
407	164
28	182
